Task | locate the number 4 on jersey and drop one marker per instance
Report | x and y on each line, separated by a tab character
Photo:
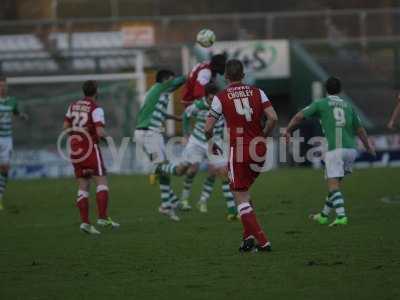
243	108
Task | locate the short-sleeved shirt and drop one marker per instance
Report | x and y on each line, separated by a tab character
243	109
84	115
198	79
8	108
338	119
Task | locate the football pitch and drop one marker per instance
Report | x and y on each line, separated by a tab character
43	255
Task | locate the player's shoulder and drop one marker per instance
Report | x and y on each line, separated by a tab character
10	101
321	101
221	94
199	104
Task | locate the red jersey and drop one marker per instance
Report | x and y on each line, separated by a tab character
84	116
243	109
194	87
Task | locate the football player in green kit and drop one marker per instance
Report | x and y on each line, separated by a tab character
149	136
341	125
8	109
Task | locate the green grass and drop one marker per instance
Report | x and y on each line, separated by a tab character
44	256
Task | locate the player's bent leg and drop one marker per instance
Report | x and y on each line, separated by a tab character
102	195
167	168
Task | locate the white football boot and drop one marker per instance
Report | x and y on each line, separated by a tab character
89	229
169	212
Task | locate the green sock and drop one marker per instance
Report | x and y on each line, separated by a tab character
165	191
187	187
207	188
173	199
3	182
230	200
337	200
327	207
166	169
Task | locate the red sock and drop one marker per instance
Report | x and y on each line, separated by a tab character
82	202
258	231
250	223
244	210
102	201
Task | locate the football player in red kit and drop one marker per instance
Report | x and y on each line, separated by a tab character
244	108
202	74
84	121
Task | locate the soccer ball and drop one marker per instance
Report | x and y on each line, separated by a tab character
206	38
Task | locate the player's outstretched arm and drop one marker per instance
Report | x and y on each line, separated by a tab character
173	84
362	134
272	120
294	123
395	116
173	117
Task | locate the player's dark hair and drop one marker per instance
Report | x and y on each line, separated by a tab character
333	86
234	70
3	78
163	75
211	88
89	88
217	63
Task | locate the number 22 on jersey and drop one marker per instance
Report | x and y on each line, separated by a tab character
243	108
79	119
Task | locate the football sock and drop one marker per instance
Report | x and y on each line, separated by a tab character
327	207
230	200
164	189
187	187
166	169
102	201
3	182
337	200
82	202
173	199
207	188
250	224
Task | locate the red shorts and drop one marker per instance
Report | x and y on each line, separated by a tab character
91	166
245	167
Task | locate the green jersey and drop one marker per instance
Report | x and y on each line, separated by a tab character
8	108
338	119
200	110
153	112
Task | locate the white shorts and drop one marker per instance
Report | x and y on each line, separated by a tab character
339	162
195	152
198	152
6	147
153	145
